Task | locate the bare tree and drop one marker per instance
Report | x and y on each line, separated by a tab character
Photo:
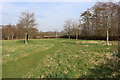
75	28
86	15
27	21
8	31
68	27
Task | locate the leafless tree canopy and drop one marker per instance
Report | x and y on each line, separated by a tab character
27	20
97	22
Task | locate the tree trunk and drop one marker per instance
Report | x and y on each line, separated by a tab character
12	37
107	42
69	36
26	38
76	36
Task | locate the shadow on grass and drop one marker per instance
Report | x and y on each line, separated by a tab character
109	69
23	42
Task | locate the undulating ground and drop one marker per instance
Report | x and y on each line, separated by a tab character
59	58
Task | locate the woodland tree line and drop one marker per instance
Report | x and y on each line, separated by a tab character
97	22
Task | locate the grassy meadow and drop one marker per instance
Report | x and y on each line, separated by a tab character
59	58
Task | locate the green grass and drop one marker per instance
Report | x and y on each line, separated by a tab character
58	58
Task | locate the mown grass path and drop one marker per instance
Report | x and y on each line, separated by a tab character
54	58
24	64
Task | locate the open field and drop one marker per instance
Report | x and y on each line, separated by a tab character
59	58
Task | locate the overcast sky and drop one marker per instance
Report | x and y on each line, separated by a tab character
49	15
